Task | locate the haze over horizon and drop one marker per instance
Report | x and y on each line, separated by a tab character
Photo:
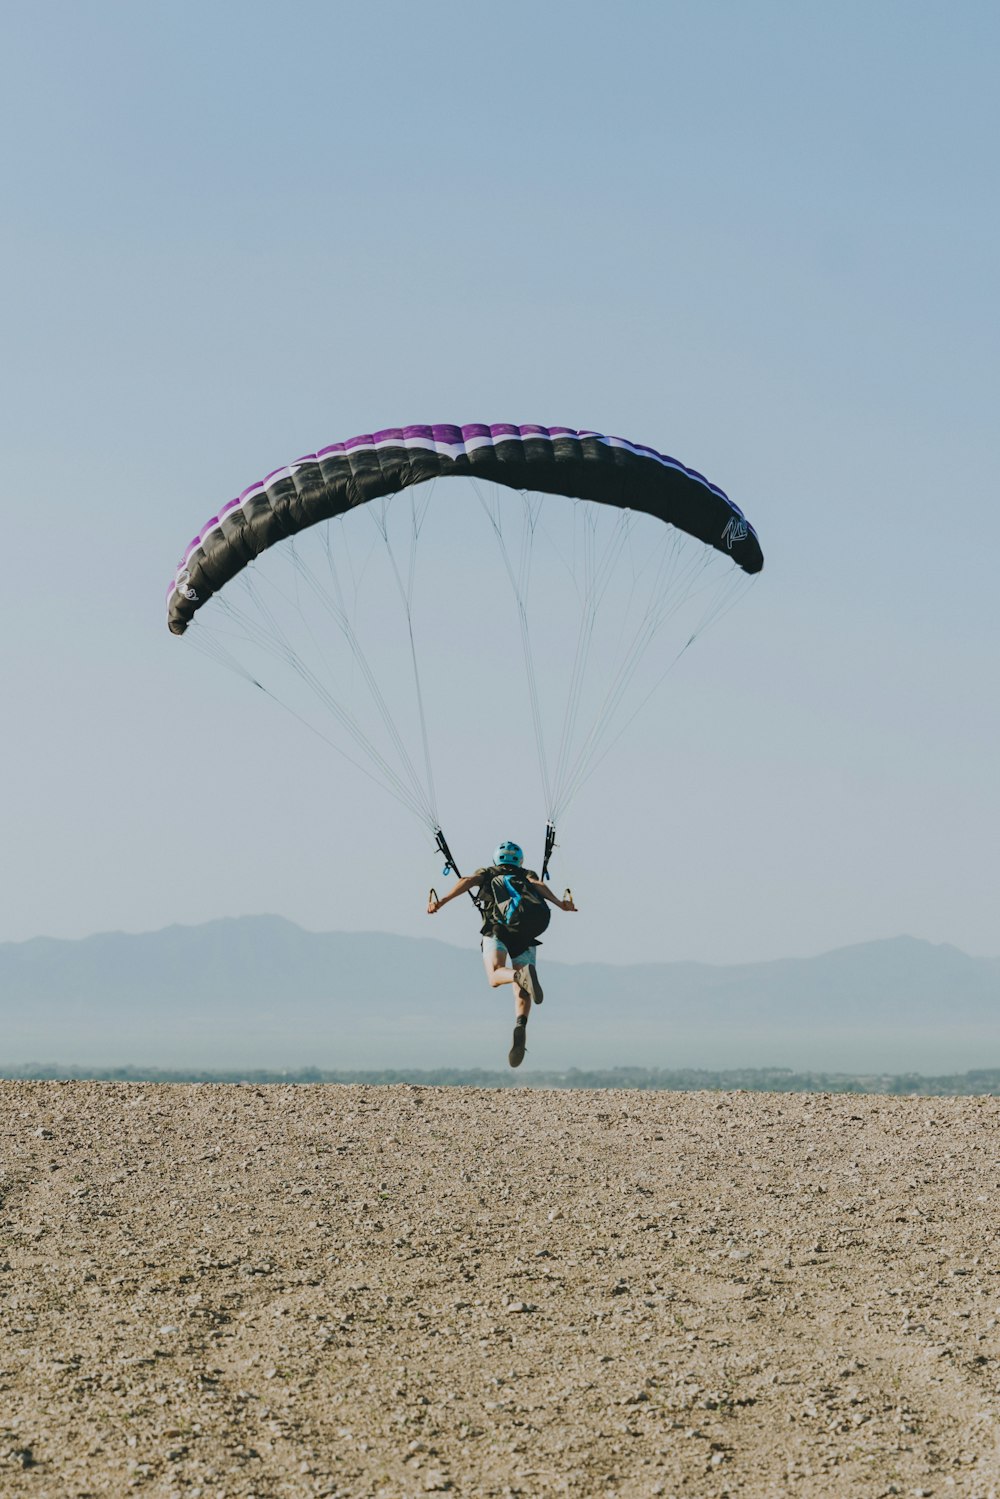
729	233
260	992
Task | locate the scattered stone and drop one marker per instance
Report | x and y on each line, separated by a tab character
239	1224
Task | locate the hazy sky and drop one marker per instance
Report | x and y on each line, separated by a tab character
763	237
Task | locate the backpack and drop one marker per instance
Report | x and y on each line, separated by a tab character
519	912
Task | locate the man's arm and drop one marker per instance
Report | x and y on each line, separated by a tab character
461	888
543	889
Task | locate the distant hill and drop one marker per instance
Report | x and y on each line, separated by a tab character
259	992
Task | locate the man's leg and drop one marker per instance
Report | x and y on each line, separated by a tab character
526	989
526	975
499	971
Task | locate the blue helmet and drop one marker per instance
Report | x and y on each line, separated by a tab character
508	853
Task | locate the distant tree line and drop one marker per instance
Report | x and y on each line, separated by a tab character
649	1079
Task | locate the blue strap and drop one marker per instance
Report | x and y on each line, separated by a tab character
515	901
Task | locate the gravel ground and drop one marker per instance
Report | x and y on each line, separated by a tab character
284	1291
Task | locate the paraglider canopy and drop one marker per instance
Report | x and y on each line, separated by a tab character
551	460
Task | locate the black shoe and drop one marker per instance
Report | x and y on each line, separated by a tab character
527	978
516	1054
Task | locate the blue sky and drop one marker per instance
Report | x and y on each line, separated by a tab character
763	238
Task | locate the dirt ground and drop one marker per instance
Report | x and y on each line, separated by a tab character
284	1291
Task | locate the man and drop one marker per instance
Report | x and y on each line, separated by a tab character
511	899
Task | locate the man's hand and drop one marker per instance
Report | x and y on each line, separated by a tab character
566	904
464	884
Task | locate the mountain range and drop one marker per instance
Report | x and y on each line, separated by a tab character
260	992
